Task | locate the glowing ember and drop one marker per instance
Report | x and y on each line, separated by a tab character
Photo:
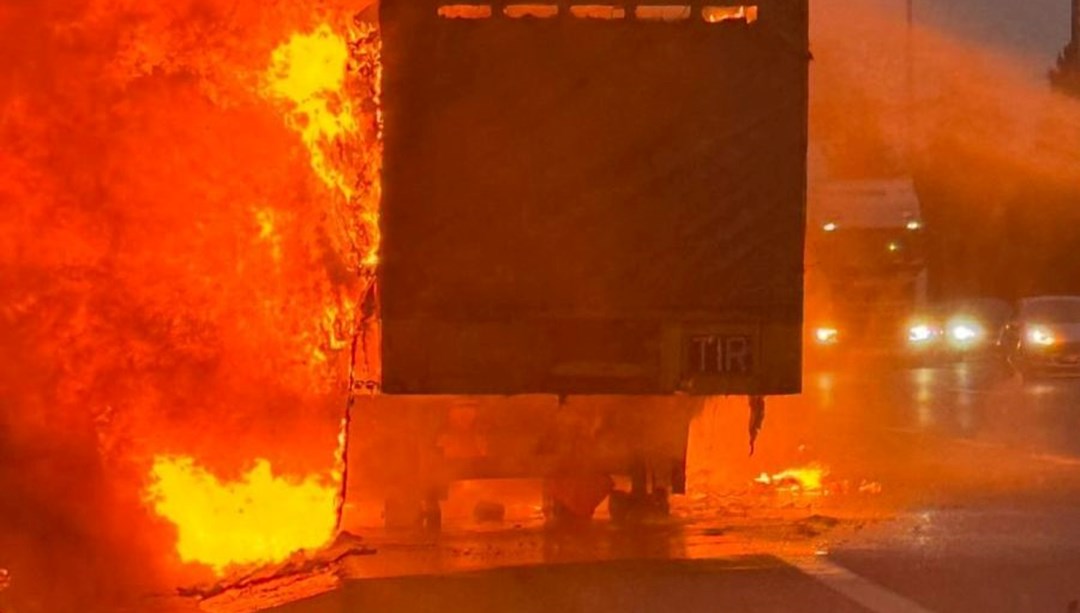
258	519
807	479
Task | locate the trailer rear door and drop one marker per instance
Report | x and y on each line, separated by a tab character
599	199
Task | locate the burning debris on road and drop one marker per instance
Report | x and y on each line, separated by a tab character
808	479
301	575
813	479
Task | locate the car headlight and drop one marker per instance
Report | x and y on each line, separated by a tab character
921	333
826	335
1038	335
964	332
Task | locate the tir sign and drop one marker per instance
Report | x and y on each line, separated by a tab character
720	355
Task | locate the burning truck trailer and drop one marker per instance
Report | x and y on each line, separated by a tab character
592	218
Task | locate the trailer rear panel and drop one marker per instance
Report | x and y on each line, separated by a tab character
576	204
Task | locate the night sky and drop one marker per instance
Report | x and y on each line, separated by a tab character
1037	29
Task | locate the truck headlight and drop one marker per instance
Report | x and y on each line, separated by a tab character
826	335
965	332
920	334
1039	335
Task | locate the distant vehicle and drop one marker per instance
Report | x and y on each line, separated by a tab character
957	329
1043	340
866	273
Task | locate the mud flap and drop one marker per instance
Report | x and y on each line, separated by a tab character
757	419
575	497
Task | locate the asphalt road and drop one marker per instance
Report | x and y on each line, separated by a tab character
945	489
973	505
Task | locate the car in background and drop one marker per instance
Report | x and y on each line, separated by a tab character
1043	340
957	330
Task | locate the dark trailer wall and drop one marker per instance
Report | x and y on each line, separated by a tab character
586	206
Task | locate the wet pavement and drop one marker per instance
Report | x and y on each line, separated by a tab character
977	509
954	488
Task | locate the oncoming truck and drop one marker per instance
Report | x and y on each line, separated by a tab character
867	270
592	218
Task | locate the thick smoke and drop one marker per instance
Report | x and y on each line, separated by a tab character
995	152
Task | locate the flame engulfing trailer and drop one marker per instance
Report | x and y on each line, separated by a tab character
604	201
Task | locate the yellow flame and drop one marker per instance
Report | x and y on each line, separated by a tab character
312	76
336	324
308	71
261	518
808	478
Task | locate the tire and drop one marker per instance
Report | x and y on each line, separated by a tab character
625	507
431	515
557	513
575	498
620	506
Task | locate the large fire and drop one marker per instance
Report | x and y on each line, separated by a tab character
263	517
190	223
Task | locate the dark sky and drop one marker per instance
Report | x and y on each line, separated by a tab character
1034	28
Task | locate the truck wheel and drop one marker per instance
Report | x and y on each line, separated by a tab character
431	515
660	502
557	513
626	507
620	505
574	498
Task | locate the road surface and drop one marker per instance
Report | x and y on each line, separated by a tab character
970	502
946	489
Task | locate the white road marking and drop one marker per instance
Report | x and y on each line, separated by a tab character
853	587
911	431
973	391
970	442
1060	460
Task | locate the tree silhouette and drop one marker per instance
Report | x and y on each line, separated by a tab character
1065	76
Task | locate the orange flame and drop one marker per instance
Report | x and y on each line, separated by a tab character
309	73
264	517
187	242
